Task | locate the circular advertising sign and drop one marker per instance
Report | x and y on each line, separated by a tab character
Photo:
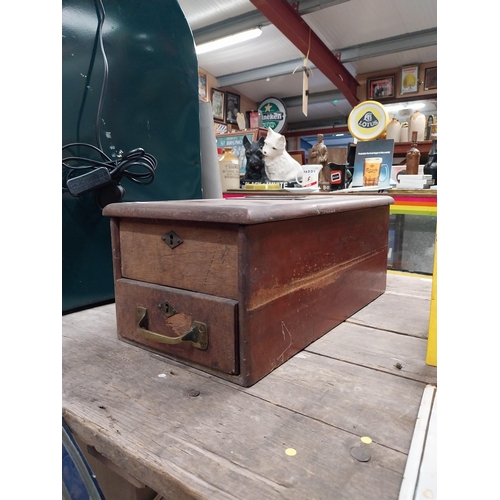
368	120
273	114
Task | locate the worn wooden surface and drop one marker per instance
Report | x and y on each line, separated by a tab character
139	410
282	271
242	210
300	278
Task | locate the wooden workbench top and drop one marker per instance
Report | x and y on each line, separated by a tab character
187	434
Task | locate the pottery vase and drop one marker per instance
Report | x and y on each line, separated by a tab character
417	124
403	137
394	130
229	168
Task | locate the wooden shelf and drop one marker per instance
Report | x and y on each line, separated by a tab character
419	193
401	148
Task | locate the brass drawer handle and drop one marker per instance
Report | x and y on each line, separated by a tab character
197	334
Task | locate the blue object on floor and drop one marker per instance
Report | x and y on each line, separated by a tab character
78	480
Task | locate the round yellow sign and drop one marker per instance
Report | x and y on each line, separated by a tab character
368	120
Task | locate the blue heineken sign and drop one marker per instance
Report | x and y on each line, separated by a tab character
273	114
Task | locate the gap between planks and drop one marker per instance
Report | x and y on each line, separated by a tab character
364	325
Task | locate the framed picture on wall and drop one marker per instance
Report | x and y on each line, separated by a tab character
380	87
232	107
409	79
218	105
202	86
431	79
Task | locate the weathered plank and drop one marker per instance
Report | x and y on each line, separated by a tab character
416	286
349	397
229	442
226	443
377	349
396	312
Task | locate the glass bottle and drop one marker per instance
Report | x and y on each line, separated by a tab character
229	168
413	157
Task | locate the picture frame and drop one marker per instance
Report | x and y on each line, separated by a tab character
409	79
232	107
202	86
380	87
218	100
430	78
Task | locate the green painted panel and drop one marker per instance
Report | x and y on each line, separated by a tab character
151	102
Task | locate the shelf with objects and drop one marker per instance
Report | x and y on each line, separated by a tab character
413	216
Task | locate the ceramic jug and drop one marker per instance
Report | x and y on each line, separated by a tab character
417	124
394	130
403	137
229	167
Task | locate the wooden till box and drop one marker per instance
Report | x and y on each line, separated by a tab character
235	287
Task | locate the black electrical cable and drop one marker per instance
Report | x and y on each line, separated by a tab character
105	78
88	77
136	165
118	168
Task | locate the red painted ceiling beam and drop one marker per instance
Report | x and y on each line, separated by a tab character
291	24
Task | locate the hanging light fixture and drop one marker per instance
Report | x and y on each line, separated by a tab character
393	108
228	40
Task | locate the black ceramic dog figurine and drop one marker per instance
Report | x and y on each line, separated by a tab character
255	168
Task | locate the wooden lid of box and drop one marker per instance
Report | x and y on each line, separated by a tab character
251	210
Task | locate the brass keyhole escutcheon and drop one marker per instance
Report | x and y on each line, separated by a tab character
171	239
167	309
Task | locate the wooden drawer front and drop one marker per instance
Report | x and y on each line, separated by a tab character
220	315
206	261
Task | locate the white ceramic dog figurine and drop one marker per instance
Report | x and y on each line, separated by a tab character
280	166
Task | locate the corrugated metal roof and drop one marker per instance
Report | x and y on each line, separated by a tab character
369	35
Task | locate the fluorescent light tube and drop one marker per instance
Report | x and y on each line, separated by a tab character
228	40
